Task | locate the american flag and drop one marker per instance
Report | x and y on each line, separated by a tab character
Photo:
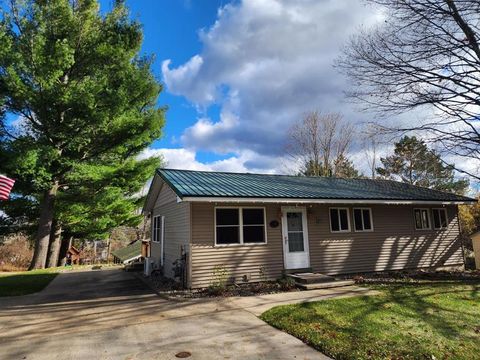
6	185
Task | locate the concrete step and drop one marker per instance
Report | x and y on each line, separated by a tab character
326	285
311	278
296	271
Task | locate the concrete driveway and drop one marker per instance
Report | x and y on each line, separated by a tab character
110	314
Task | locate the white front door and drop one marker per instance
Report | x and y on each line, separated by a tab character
295	238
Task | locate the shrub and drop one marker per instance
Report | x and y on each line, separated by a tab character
220	280
286	283
15	253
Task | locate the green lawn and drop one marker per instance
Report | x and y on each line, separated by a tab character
26	282
426	320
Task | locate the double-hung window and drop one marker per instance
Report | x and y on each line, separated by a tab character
157	228
339	220
422	219
158	235
240	226
440	219
362	219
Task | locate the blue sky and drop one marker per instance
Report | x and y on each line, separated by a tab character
171	32
238	74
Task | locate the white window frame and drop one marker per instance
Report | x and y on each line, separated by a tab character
429	219
446	218
240	224
339	222
363	220
162	236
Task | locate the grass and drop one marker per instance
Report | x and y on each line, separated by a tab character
422	320
26	282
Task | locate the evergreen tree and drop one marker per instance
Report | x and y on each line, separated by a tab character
341	167
344	168
414	163
85	99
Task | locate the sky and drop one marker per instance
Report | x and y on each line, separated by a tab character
238	74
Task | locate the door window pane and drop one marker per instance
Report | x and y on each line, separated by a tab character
295	241
294	221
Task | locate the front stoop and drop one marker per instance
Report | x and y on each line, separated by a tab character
310	281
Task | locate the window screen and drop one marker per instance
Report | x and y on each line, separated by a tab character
362	219
253	225
339	219
422	219
240	226
228	226
157	228
440	218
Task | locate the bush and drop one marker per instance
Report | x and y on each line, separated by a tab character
15	253
220	279
286	283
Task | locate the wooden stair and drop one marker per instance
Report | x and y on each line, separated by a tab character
311	281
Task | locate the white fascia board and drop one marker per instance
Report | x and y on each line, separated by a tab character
319	201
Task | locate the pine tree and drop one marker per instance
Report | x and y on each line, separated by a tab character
83	95
344	168
414	163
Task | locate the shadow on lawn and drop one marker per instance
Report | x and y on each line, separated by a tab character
25	283
435	304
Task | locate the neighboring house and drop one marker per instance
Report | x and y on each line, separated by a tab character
476	248
128	254
258	226
73	256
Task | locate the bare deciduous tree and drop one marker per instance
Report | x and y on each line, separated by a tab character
318	140
425	55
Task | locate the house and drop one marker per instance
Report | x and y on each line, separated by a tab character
128	254
476	248
257	226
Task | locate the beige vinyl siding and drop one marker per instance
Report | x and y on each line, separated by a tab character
177	227
394	244
239	260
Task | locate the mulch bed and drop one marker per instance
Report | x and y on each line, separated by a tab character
413	276
171	288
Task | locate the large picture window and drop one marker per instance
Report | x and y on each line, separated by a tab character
440	219
239	226
339	220
362	219
422	219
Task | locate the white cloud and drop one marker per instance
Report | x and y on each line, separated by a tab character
246	161
265	63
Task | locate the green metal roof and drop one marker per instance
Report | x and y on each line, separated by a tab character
129	252
187	183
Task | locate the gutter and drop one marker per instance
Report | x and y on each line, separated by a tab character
319	201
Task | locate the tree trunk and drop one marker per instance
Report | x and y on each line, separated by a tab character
55	244
44	228
65	246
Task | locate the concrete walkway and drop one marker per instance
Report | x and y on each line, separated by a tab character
110	314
